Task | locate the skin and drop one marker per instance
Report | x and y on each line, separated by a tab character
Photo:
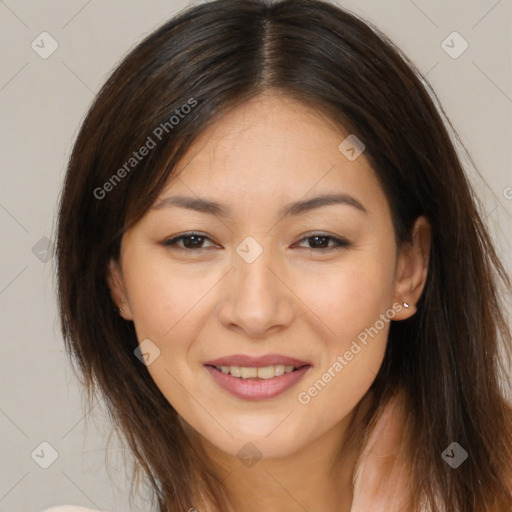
294	299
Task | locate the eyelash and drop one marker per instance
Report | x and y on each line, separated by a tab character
339	242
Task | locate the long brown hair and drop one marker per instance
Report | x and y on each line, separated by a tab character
213	57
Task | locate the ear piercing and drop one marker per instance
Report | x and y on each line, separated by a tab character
406	305
121	309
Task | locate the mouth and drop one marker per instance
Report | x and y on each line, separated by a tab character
260	378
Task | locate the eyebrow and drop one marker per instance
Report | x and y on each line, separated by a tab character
204	205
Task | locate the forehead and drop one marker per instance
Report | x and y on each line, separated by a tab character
272	149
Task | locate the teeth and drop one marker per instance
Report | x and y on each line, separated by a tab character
235	371
247	373
265	372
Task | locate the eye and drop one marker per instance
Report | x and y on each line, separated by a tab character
191	241
320	241
195	241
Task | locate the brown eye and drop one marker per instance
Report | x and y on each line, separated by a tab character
190	241
321	241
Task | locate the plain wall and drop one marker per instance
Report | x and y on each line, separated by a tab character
43	102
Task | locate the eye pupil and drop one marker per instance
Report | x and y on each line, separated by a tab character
198	241
321	237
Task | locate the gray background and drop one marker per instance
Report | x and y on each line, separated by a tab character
42	104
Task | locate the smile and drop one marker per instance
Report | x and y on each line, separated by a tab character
263	372
257	383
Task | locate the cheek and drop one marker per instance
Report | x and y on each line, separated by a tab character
168	306
350	360
351	297
354	304
166	300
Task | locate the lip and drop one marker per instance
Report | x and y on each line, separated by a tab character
257	361
254	388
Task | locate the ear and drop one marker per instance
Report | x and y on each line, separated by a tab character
115	282
412	268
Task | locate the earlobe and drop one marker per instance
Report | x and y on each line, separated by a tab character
412	268
117	290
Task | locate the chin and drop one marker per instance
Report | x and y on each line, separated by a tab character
267	438
259	447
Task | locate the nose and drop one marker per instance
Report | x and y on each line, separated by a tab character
256	301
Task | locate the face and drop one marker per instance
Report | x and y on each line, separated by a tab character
256	287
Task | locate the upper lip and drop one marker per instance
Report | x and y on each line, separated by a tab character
256	361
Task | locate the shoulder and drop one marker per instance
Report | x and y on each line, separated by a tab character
68	508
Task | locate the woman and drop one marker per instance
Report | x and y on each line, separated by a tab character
271	265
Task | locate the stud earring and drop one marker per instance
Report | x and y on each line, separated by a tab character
406	305
121	309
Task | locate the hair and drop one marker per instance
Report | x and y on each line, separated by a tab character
213	57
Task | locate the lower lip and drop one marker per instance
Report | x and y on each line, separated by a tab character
257	389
